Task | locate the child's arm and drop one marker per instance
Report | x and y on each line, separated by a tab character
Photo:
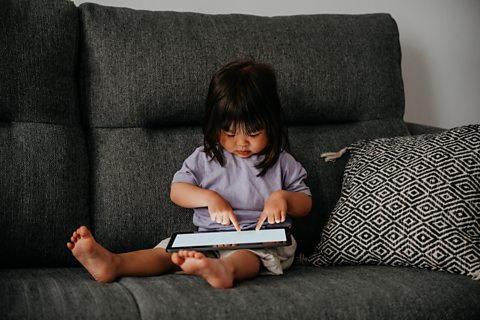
281	202
187	195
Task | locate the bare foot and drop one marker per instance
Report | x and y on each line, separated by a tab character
217	273
96	259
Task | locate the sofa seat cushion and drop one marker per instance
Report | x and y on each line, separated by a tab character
305	292
62	293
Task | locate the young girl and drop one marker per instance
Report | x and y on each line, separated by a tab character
241	178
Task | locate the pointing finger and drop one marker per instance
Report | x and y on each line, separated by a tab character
262	218
234	220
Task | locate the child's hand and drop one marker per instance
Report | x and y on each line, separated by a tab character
221	211
274	210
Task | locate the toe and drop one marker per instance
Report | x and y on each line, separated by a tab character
198	255
83	232
177	259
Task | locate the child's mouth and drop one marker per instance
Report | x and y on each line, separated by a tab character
243	153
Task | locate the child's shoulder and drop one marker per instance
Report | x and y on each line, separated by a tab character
286	159
199	155
199	152
285	156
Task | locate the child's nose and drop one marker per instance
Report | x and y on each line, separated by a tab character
242	140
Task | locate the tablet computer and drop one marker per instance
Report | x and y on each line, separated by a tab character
228	240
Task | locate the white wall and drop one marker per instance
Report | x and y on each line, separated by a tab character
440	42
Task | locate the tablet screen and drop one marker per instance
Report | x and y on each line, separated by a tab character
229	239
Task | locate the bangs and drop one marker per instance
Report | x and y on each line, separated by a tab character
243	108
239	120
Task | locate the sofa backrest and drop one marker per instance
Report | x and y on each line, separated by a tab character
143	80
43	161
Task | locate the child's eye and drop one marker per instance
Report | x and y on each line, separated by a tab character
229	134
255	134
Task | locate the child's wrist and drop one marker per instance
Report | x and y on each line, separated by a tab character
211	196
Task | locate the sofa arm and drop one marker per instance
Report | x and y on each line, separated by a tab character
416	129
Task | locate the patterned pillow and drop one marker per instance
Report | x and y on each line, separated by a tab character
409	201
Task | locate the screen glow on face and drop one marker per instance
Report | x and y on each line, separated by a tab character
229	237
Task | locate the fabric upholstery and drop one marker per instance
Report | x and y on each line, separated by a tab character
38	61
43	153
409	201
416	129
144	68
62	293
369	292
44	192
341	292
132	174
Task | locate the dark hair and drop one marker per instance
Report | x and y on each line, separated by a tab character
243	94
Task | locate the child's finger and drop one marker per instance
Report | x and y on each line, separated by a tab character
271	218
262	218
226	221
280	216
233	219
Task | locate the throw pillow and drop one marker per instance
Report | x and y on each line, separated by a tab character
409	201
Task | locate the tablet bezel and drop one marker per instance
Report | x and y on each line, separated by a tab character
252	245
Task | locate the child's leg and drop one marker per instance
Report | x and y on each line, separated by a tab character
106	266
219	273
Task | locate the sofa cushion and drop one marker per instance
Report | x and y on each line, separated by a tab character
62	293
303	292
43	153
38	61
132	174
144	68
339	292
43	192
411	201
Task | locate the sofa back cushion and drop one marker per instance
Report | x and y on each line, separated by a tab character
145	75
146	68
43	159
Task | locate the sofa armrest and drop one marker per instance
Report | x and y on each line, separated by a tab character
416	129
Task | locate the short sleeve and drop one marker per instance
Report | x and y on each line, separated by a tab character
192	169
294	175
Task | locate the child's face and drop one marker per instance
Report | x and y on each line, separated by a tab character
243	144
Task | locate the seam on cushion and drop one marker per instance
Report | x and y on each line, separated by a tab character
67	125
167	126
134	299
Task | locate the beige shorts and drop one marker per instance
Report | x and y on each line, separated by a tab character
274	260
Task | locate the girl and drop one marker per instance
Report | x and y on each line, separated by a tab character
241	178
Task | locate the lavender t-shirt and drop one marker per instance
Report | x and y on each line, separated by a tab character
237	183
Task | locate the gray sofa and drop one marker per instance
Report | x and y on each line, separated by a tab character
99	106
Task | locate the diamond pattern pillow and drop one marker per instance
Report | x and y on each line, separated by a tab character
409	201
